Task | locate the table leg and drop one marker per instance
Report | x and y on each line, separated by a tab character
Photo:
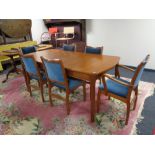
10	70
92	98
7	72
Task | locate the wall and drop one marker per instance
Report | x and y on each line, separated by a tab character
129	39
38	28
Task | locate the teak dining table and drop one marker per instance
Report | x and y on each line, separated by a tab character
88	67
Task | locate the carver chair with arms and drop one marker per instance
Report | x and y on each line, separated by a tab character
122	89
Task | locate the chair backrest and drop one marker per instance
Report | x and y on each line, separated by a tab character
93	50
30	64
68	30
70	48
139	71
30	49
55	71
53	30
80	46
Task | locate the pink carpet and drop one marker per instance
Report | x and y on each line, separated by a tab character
22	114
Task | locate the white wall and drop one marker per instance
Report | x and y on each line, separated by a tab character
129	39
38	27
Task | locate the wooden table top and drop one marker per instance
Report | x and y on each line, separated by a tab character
41	47
80	62
9	53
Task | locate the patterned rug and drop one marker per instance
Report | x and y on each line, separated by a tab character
25	115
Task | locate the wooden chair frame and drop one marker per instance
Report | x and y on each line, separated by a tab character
131	87
65	84
27	75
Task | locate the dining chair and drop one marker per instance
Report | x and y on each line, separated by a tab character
120	88
33	73
20	68
70	48
67	34
93	50
29	49
22	51
53	31
80	46
57	76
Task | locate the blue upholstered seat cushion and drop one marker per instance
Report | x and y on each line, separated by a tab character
70	48
116	88
73	83
93	50
27	50
37	78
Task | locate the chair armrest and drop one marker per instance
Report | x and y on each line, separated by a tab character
125	67
118	81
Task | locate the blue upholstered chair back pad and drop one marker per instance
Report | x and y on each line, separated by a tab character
93	50
143	63
29	65
54	71
68	47
139	75
30	49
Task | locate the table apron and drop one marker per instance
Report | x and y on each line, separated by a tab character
82	76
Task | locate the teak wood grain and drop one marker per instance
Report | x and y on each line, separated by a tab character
82	66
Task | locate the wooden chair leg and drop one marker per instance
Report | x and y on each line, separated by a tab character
42	90
117	74
24	74
49	93
84	91
127	113
98	100
67	103
29	85
46	84
136	97
38	84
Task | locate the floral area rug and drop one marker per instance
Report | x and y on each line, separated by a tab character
25	115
